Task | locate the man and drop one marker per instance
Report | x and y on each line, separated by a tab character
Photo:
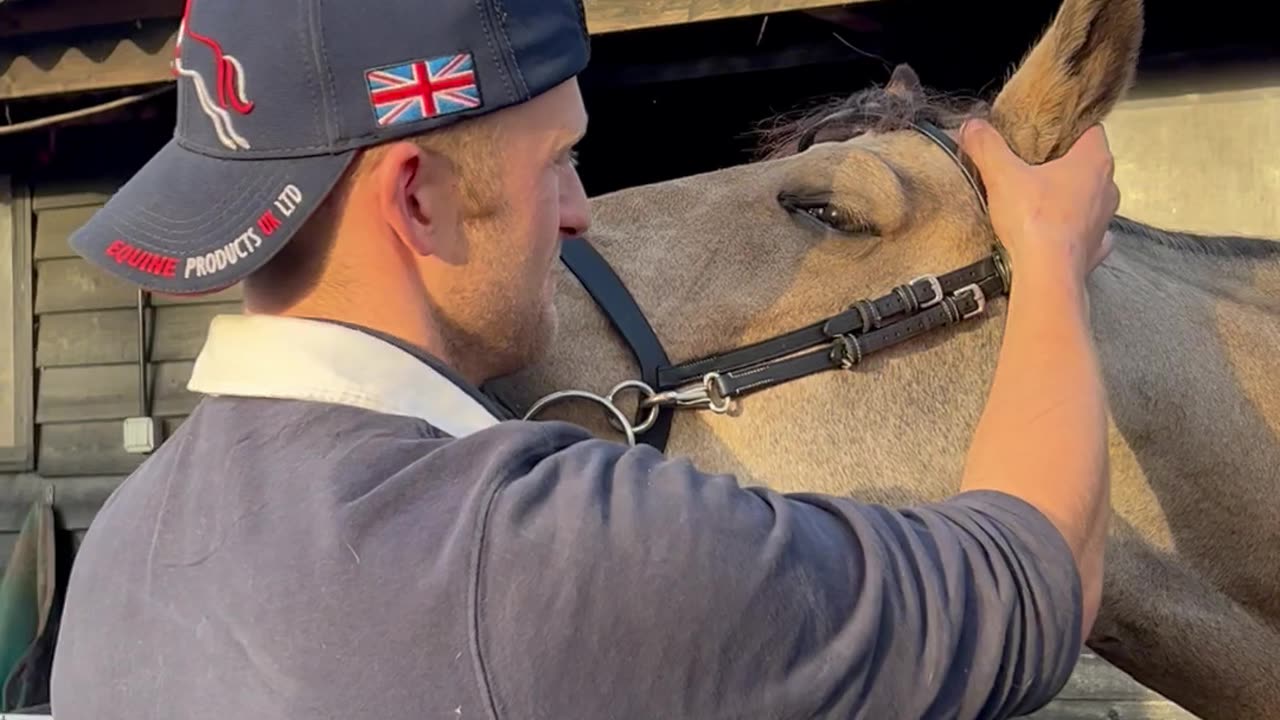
345	528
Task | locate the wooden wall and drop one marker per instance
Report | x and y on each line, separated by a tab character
86	374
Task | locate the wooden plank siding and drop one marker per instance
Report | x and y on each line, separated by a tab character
85	364
86	345
85	371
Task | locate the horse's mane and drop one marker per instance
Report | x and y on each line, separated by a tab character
876	109
1233	246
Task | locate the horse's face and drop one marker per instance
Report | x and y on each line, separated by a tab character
742	254
875	203
883	207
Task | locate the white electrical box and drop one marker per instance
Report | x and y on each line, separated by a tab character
139	435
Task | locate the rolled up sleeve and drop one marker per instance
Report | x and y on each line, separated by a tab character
614	582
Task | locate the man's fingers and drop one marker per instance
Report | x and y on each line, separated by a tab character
1092	149
987	148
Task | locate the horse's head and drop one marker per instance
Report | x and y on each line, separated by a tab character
899	202
738	255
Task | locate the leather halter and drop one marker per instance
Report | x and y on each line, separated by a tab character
837	342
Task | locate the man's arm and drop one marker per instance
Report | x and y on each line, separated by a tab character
613	582
1043	433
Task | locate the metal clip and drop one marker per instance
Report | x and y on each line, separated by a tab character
711	393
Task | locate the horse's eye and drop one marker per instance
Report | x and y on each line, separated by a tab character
829	214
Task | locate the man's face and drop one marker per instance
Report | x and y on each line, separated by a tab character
495	301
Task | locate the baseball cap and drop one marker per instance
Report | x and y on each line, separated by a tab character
275	98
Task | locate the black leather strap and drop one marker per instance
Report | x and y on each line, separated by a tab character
847	350
863	316
609	292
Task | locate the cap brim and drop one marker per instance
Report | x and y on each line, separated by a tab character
189	223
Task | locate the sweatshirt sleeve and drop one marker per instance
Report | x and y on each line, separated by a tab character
613	582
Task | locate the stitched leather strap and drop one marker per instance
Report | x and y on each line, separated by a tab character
846	350
862	316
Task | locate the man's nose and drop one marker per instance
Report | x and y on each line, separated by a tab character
575	209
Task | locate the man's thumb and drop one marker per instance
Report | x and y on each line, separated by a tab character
986	146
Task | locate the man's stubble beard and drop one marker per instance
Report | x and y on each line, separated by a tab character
497	332
498	338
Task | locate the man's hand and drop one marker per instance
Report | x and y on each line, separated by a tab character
1052	218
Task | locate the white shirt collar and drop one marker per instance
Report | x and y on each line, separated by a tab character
297	359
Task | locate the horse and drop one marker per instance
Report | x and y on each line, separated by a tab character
1186	326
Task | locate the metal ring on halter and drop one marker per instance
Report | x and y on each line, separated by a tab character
584	395
714	385
646	393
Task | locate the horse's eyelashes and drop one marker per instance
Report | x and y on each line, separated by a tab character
839	218
831	215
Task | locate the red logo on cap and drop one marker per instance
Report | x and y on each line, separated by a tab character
148	262
228	81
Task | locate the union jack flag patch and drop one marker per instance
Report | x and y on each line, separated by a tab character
423	89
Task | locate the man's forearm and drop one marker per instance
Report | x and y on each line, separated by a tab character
1043	434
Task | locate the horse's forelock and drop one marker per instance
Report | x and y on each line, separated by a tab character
875	109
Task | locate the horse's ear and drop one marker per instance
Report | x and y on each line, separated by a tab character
904	82
1072	78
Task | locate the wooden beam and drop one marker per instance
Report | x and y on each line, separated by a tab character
125	55
1097	679
1112	710
16	446
608	16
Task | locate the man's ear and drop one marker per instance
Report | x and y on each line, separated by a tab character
417	198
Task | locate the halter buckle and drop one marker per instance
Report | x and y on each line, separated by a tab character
846	351
979	300
935	284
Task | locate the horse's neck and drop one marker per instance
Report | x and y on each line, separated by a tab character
1188	342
